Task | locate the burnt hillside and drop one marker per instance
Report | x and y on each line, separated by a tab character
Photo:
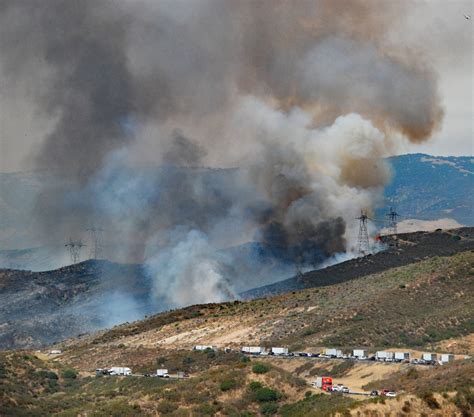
40	307
402	250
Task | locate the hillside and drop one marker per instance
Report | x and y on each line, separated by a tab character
405	249
415	306
37	308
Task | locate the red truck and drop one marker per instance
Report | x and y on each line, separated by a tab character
323	382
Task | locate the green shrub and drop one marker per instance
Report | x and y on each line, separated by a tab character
269	409
309	331
69	374
255	385
47	374
266	394
228	384
259	368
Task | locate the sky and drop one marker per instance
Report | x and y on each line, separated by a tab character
437	26
441	25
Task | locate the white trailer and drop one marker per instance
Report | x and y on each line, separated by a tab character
359	353
383	355
402	356
162	373
254	350
429	356
205	347
120	370
279	350
336	353
446	357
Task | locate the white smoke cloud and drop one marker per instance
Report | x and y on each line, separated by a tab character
187	272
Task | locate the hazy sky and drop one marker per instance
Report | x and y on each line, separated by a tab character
441	26
438	27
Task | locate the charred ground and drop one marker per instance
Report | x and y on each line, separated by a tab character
404	249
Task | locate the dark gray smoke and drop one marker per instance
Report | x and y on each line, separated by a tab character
186	129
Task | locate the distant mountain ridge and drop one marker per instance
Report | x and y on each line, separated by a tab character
431	187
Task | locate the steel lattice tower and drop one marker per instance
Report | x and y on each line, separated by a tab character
363	239
75	250
392	221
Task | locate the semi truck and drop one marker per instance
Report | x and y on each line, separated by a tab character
446	357
162	373
428	357
383	355
359	353
279	350
323	382
120	370
402	356
205	347
253	350
335	353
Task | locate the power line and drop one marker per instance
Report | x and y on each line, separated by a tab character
75	250
96	242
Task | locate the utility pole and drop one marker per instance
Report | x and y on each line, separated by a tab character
96	242
363	238
392	221
75	250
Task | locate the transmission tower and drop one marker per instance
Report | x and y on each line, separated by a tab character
96	242
363	238
392	221
75	250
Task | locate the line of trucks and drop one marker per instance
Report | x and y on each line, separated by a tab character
388	356
248	350
359	354
124	371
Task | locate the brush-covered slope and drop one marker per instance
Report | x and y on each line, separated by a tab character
399	250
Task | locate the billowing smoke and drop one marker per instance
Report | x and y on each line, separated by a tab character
189	129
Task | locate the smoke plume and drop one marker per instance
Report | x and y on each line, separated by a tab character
187	129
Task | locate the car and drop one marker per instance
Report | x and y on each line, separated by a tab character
374	393
337	388
391	394
345	390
